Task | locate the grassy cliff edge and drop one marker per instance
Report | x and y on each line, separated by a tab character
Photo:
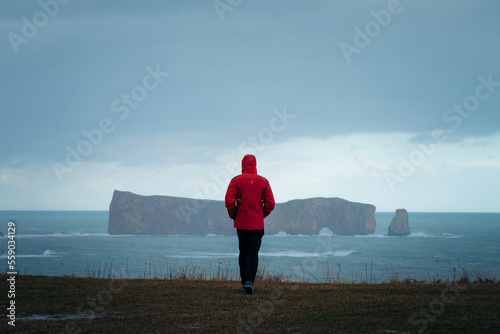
96	305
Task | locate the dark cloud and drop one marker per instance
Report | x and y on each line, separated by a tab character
227	76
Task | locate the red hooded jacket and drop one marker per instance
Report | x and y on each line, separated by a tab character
249	198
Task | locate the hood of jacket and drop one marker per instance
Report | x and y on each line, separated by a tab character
249	164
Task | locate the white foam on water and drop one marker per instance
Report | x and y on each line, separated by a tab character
426	235
294	253
62	235
46	253
287	253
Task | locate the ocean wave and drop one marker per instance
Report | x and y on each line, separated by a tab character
284	234
341	253
202	255
46	253
426	235
51	253
449	235
288	253
280	234
412	235
69	235
294	253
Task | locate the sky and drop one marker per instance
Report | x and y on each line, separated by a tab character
392	103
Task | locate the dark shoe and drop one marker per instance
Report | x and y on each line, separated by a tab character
248	288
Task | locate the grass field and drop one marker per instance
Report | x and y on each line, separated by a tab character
96	305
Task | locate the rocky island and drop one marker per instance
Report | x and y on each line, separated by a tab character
130	213
399	225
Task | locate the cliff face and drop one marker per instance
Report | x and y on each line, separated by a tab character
134	214
399	224
309	216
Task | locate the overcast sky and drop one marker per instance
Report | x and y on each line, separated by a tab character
393	103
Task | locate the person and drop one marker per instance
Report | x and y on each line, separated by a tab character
249	199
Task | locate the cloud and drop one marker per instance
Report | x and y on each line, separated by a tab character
373	166
354	122
12	178
298	168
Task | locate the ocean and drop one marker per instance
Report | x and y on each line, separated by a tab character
441	246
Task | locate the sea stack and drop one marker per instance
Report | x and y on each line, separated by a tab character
399	225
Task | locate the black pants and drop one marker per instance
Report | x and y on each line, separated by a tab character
249	243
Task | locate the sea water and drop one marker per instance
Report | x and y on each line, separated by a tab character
441	245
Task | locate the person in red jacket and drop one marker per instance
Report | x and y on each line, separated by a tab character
249	199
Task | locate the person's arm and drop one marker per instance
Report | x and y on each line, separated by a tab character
268	200
230	200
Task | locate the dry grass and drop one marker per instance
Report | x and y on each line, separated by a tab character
96	305
156	269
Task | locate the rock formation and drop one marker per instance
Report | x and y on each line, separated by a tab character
134	214
309	216
399	224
